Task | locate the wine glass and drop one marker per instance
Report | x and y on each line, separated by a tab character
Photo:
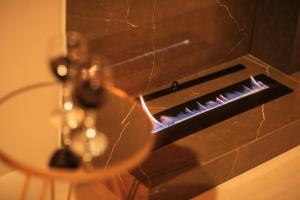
83	78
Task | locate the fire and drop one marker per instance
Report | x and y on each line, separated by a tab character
145	108
219	100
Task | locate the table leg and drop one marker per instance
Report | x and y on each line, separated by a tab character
52	190
70	191
25	187
44	190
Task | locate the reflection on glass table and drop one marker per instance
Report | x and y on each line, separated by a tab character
28	138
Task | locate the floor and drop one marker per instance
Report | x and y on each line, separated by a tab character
278	179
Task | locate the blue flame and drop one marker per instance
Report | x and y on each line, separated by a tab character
222	99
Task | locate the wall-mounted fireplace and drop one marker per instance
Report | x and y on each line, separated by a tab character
218	129
204	111
208	74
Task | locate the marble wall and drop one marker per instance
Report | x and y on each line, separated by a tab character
276	34
153	42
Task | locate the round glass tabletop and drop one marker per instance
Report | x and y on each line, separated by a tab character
28	139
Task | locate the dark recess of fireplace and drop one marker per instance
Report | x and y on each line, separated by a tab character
202	121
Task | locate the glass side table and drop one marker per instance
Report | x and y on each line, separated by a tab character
28	138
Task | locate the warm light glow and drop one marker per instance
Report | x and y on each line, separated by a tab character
67	141
90	133
93	70
89	121
68	105
87	157
65	130
72	122
62	70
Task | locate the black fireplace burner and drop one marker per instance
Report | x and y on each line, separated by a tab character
186	127
175	86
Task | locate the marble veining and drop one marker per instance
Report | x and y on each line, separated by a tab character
116	144
157	25
153	44
259	132
128	114
138	40
239	27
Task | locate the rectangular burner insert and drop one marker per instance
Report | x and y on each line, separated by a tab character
200	113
